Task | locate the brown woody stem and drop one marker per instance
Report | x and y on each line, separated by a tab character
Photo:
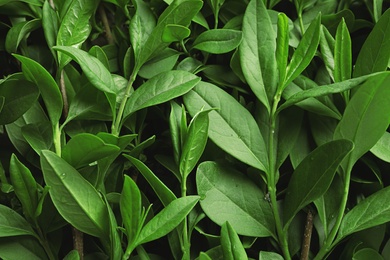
307	236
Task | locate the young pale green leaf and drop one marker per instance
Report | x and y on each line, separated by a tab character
313	176
167	219
18	96
382	148
372	211
159	89
175	33
228	195
218	41
375	53
85	148
366	117
194	143
327	46
282	45
342	53
131	208
305	51
237	135
165	195
78	202
264	255
12	224
18	32
75	26
50	92
25	187
257	52
232	247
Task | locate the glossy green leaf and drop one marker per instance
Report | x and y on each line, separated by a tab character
264	255
313	176
175	33
33	2
78	202
237	135
72	255
19	32
50	25
24	247
342	53
375	53
232	247
327	46
365	118
257	52
228	195
159	89
175	126
12	224
218	41
131	208
194	143
50	92
372	211
165	195
39	136
305	51
167	219
367	253
75	26
18	96
162	62
282	46
116	251
382	148
25	187
83	149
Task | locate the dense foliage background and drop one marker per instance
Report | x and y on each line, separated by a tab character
190	129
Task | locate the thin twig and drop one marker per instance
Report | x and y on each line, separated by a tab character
78	243
307	236
106	25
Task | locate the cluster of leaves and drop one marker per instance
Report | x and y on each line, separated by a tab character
189	129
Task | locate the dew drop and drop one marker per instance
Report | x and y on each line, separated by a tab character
63	175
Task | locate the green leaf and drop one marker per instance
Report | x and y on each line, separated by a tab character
382	148
75	26
372	211
263	255
39	136
25	187
232	247
194	143
85	148
257	52
162	62
237	135
327	46
19	96
33	2
75	198
342	54
367	253
72	255
375	53
313	176
218	41
305	51
366	117
159	89
12	224
282	46
167	219
131	207
21	248
228	195
18	32
50	25
165	195
115	250
50	92
175	33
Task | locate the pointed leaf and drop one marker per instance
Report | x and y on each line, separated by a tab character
18	32
218	41
232	247
313	176
282	45
75	198
327	43
342	54
167	219
175	33
382	148
12	224
237	135
269	256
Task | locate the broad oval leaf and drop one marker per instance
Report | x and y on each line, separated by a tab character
75	198
313	176
382	148
232	247
366	117
218	41
175	33
372	211
159	89
85	148
163	62
237	135
21	247
18	32
12	224
167	219
228	195
264	255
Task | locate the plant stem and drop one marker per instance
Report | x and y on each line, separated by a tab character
106	25
186	244
307	236
64	94
272	178
325	249
45	244
78	243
